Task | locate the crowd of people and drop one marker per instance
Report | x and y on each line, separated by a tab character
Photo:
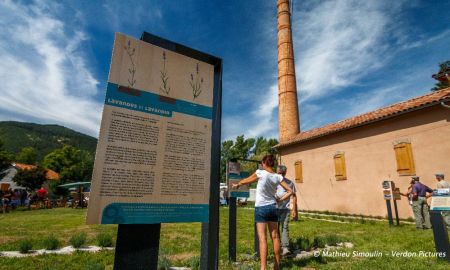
11	199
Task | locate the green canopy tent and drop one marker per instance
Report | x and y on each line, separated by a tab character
78	185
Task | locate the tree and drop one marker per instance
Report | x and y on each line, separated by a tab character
243	148
225	154
5	160
31	179
264	147
443	77
27	155
71	163
440	85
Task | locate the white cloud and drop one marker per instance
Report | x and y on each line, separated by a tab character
43	72
339	42
125	15
365	101
260	121
425	40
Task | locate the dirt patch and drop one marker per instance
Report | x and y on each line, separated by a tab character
182	256
6	239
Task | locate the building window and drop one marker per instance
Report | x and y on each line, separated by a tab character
298	172
404	157
339	166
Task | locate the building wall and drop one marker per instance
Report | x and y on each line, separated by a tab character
370	159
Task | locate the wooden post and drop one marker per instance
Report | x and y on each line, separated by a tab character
396	212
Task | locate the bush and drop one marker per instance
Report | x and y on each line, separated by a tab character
95	266
333	239
302	243
319	241
104	240
78	240
163	263
25	246
194	263
51	243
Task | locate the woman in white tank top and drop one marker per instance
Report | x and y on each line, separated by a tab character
266	214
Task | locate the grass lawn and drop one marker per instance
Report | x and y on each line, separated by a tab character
180	243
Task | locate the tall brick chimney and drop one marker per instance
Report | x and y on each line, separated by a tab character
288	118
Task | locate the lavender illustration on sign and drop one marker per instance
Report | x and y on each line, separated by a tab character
164	77
196	83
132	70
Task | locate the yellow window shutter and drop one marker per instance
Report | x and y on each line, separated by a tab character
298	172
339	166
404	157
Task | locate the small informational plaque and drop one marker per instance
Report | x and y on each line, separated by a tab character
440	201
397	195
234	175
154	151
387	192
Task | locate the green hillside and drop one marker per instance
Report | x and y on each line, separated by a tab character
44	138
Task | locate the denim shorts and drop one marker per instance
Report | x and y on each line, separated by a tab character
266	213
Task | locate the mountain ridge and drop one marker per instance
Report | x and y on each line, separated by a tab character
43	137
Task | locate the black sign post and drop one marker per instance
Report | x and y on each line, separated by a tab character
256	241
209	254
137	245
387	193
440	234
232	220
389	211
133	251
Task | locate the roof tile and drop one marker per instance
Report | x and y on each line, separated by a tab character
370	117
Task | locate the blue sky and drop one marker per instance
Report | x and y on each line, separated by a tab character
351	56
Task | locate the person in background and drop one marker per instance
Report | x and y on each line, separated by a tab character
225	195
420	206
23	197
15	199
266	214
32	198
3	201
443	184
41	195
284	208
7	197
408	193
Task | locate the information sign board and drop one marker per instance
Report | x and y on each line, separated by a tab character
234	175
440	201
153	159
